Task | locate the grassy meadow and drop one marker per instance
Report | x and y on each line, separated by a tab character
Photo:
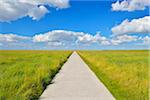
124	73
25	74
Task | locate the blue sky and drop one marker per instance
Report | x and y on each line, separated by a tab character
87	17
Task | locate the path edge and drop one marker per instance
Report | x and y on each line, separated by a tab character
95	74
53	76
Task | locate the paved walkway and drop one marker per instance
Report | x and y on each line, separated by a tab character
76	81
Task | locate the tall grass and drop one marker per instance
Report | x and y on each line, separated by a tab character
25	74
125	73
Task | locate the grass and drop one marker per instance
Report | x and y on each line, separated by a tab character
124	73
25	74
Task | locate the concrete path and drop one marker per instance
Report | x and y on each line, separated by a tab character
76	81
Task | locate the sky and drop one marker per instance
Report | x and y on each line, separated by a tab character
74	24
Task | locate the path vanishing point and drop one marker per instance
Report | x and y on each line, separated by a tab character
75	81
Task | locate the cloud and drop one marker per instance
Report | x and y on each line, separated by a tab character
123	39
141	25
12	38
60	4
69	37
130	5
58	36
55	44
106	42
37	12
146	40
14	9
63	38
89	39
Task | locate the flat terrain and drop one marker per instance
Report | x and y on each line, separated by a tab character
24	74
124	73
76	81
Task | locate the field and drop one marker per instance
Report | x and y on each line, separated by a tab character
25	74
124	73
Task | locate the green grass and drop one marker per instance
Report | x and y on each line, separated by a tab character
124	73
25	74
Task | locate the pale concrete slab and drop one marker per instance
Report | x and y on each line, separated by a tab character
76	81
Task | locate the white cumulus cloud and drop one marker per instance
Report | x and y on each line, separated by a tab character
123	39
52	3
146	40
12	38
55	43
141	25
88	39
69	37
130	5
64	38
57	35
14	9
37	12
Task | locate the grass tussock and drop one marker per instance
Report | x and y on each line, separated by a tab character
125	73
25	74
